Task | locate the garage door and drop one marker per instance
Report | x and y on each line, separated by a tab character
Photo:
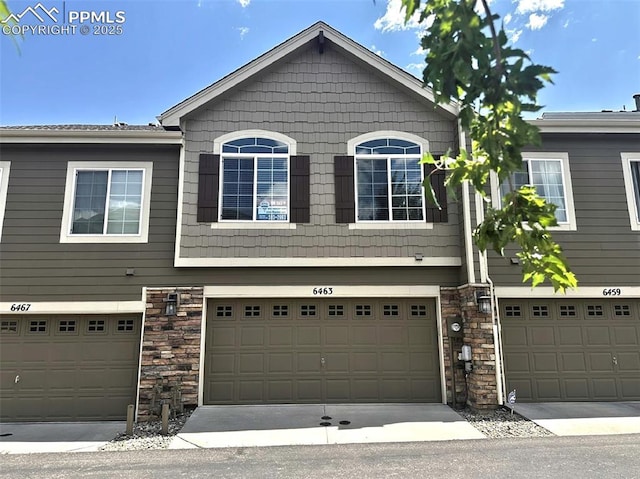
318	351
68	367
580	350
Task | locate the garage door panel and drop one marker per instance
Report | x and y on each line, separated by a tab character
625	336
223	363
600	362
573	362
252	336
548	389
577	389
370	349
629	362
251	363
224	337
545	362
597	349
542	336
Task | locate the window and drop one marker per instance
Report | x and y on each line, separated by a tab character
631	173
107	202
389	180
4	186
549	174
255	180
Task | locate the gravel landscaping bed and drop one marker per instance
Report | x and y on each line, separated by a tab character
503	423
493	424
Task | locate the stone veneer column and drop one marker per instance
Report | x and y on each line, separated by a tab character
170	359
450	306
478	333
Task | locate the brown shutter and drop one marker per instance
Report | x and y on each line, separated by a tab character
345	189
433	214
299	189
208	184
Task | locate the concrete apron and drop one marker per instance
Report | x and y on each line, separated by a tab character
312	424
25	438
584	418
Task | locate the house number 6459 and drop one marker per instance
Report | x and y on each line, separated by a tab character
322	291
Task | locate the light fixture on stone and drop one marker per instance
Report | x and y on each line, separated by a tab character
483	300
172	301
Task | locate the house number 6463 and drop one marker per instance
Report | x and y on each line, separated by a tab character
324	291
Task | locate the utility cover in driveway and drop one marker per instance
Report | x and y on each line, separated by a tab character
572	350
68	368
321	351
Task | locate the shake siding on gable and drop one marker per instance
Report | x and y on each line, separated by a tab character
321	101
604	249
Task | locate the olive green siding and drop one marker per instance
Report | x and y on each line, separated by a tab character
321	101
604	249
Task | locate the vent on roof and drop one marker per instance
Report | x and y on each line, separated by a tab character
636	97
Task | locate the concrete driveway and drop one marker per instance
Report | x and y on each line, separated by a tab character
584	418
243	426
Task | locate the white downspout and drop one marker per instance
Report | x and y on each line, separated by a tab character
466	216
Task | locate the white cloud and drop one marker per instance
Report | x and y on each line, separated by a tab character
566	23
243	31
420	52
415	68
377	51
528	6
514	35
393	18
536	21
244	3
507	18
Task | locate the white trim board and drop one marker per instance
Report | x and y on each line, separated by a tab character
306	291
438	261
582	292
91	136
74	307
629	188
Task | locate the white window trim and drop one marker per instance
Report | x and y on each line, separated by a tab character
5	167
570	224
396	135
627	158
253	224
69	196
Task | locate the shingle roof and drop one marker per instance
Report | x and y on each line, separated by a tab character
119	127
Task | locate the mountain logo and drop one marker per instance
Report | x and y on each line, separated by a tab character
39	11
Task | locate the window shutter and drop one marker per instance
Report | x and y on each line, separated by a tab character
433	214
299	189
345	189
208	184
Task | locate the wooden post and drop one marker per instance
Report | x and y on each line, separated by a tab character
130	410
165	419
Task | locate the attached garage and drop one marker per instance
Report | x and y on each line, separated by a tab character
68	368
261	351
572	350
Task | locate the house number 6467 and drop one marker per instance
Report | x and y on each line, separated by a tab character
20	307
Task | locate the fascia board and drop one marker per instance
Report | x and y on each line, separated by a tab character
587	126
172	116
91	136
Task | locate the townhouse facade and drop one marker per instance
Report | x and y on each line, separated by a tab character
269	242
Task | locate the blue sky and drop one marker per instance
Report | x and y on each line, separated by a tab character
169	49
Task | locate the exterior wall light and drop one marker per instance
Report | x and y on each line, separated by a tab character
483	300
172	301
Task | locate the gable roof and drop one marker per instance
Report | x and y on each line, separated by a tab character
319	30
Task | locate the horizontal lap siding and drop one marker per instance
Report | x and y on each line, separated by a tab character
321	101
604	249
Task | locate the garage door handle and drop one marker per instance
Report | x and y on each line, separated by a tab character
615	360
17	379
322	361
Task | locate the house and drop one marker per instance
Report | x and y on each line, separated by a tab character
269	242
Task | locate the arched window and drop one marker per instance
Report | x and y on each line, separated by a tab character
255	180
389	180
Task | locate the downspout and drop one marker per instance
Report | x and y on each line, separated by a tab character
466	215
495	310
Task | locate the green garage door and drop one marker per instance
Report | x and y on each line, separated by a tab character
316	351
68	368
572	350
